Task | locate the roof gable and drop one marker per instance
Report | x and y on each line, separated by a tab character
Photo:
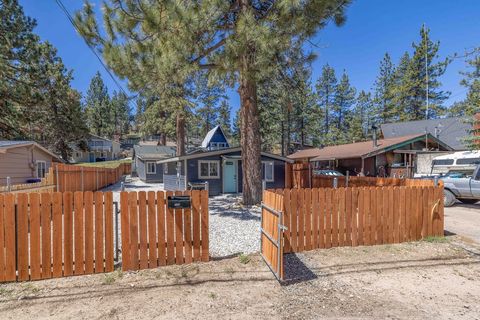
449	130
362	149
9	144
214	135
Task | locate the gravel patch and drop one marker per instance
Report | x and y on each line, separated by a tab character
234	228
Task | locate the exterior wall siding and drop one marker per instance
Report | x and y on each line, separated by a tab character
19	164
141	169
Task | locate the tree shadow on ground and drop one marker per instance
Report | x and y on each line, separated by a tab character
230	206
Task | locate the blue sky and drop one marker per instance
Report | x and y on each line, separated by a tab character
373	27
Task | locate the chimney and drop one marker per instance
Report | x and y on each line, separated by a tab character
374	129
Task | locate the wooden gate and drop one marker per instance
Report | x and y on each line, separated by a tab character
271	232
155	235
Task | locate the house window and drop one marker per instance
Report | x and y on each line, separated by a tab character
208	169
267	171
41	168
151	168
217	145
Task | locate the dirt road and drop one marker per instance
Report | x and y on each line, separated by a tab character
419	280
464	220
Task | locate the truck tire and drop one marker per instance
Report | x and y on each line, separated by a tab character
469	201
448	198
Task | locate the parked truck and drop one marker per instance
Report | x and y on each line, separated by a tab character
466	188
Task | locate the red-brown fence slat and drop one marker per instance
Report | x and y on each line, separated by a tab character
187	222
109	251
142	226
204	227
79	232
196	210
46	221
133	223
22	237
35	263
68	233
125	231
89	232
99	233
57	240
152	230
170	233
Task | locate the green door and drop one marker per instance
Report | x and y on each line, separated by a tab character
230	176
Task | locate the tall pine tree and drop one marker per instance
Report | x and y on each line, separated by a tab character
326	87
383	91
151	43
98	109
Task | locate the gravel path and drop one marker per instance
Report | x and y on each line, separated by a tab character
234	229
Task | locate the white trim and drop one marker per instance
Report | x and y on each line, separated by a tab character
154	167
217	162
273	171
224	151
36	167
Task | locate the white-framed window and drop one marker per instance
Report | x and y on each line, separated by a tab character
218	145
267	171
208	169
41	169
151	168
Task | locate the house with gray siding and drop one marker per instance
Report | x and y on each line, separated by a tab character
222	169
24	161
145	158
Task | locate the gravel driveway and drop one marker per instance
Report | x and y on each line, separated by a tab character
234	228
464	220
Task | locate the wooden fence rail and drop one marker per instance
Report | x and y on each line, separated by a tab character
154	235
46	184
327	217
301	175
56	234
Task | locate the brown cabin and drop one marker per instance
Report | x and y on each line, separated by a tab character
383	157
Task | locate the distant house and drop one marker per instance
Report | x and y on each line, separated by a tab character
215	140
222	169
145	159
384	157
451	131
98	149
23	161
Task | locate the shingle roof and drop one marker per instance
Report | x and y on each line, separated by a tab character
449	130
355	150
7	144
146	152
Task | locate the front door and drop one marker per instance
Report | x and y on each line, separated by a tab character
92	157
229	176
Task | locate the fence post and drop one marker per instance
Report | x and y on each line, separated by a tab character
335	182
81	169
9	186
58	181
264	185
347	178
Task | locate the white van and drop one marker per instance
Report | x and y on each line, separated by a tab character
463	162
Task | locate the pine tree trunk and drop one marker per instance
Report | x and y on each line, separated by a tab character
180	132
250	142
162	141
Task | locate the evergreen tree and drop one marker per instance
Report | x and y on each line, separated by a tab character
236	128
98	108
238	41
208	97
341	110
416	78
326	88
362	117
400	91
383	91
224	115
120	109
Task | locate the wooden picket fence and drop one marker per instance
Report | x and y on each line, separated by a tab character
300	175
82	178
56	234
328	217
154	235
46	184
